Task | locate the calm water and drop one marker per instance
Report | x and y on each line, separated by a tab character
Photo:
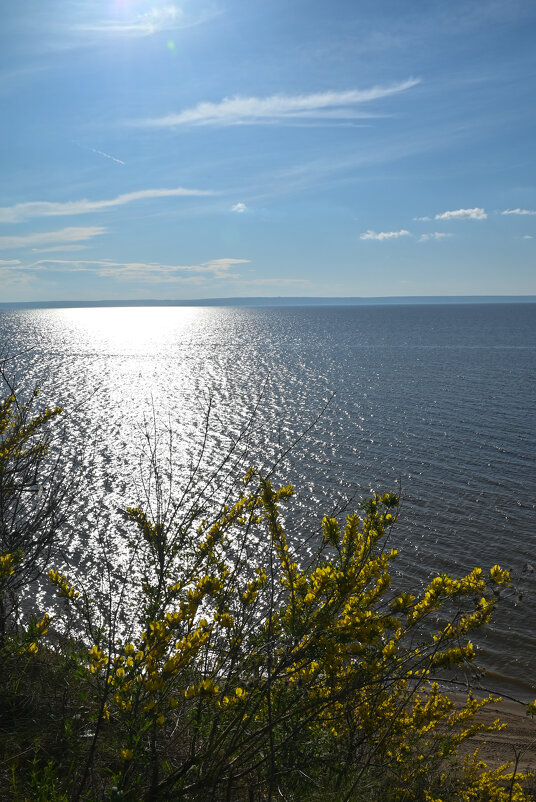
439	399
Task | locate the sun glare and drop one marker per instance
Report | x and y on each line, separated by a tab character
130	329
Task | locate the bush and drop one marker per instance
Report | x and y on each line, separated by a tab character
32	501
224	666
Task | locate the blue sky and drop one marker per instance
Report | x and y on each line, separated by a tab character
214	148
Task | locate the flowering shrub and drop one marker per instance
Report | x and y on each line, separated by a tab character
243	671
243	679
27	525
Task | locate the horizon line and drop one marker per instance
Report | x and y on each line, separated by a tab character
274	300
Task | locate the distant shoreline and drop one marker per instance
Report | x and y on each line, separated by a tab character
279	301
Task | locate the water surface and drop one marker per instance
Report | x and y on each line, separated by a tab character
437	400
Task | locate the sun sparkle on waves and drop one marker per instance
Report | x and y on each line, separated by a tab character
132	329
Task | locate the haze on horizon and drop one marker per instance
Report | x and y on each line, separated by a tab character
173	149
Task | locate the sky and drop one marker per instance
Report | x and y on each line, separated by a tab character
220	148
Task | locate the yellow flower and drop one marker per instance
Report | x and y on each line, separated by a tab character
207	687
6	565
127	754
499	575
389	649
42	626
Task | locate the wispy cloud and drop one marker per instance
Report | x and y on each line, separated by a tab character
239	207
64	235
143	271
12	275
158	18
25	211
223	264
434	235
519	211
281	108
462	214
384	235
528	236
284	282
56	248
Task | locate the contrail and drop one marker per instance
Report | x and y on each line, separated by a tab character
106	155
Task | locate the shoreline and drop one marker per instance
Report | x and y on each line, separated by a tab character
516	741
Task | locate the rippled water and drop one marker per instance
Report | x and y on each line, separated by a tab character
440	399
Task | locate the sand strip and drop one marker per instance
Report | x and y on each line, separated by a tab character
518	737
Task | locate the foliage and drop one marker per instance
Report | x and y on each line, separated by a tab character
32	497
223	666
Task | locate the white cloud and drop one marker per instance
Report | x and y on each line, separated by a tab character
462	214
239	207
383	235
56	248
433	235
280	108
280	282
528	236
25	211
225	263
64	235
518	211
9	262
143	271
168	17
156	19
13	276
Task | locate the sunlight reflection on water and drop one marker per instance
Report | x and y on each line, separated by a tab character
439	398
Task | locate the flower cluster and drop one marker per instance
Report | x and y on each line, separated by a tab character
65	588
7	565
230	655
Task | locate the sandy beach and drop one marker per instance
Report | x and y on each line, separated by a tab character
517	739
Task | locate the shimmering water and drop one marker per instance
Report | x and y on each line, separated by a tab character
437	399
